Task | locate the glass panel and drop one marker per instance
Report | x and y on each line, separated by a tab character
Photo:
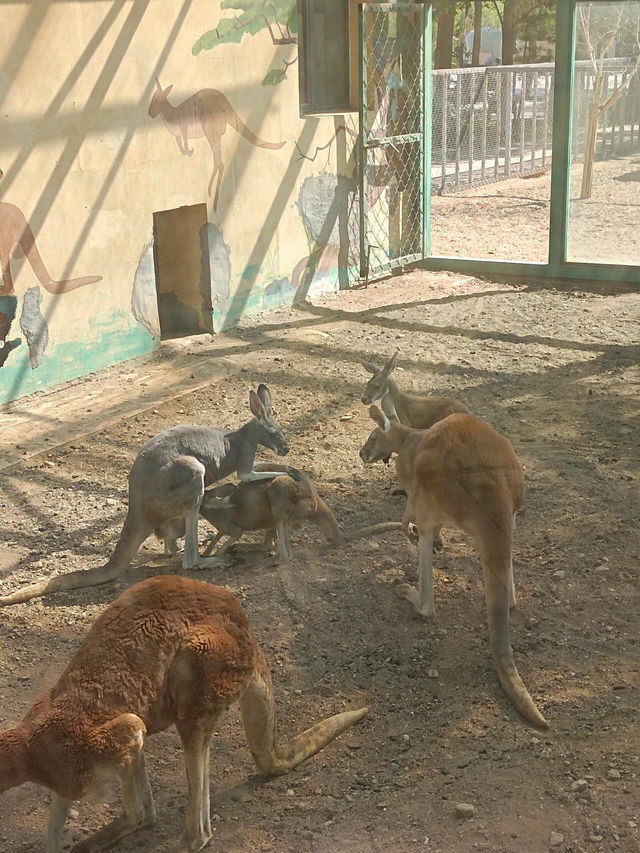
604	206
492	127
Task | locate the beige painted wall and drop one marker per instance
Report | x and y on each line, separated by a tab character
87	166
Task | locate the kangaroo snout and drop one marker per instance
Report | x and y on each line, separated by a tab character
283	449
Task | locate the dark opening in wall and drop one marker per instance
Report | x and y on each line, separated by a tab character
183	279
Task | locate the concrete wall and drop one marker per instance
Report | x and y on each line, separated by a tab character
87	159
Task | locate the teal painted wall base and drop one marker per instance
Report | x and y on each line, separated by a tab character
107	342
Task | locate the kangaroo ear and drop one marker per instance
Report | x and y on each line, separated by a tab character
376	415
388	408
168	89
265	397
158	85
255	404
372	368
391	364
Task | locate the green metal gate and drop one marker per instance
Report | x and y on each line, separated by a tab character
394	143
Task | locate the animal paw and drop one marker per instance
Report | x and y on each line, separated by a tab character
198	843
410	594
411	532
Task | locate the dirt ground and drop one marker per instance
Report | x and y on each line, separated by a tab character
555	371
509	220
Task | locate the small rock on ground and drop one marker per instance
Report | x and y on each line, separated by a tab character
465	810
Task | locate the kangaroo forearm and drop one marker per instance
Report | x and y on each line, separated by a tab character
253	476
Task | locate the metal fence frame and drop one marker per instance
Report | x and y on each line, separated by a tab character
557	268
494	123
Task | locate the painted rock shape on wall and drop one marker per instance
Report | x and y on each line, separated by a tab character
212	241
34	326
144	300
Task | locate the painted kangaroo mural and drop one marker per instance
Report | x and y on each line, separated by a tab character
17	241
206	113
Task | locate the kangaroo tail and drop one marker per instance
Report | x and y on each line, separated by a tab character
496	584
28	246
72	580
132	536
250	136
372	530
258	715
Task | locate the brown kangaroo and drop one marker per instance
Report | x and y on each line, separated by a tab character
168	651
206	113
273	506
460	472
17	241
414	411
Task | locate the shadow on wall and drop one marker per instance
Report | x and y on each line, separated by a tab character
325	201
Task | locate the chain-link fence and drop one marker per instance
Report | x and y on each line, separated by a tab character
490	124
495	123
393	134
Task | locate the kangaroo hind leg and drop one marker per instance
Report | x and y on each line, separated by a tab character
196	745
173	497
215	141
422	597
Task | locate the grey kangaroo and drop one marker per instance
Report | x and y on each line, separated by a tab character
166	486
206	113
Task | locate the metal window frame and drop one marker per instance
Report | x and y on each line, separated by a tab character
557	267
305	70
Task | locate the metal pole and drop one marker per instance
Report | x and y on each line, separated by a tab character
561	155
534	120
485	111
445	95
498	122
472	107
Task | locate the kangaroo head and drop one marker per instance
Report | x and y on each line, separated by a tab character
378	383
159	99
271	435
378	446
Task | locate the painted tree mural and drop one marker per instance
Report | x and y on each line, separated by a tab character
251	17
